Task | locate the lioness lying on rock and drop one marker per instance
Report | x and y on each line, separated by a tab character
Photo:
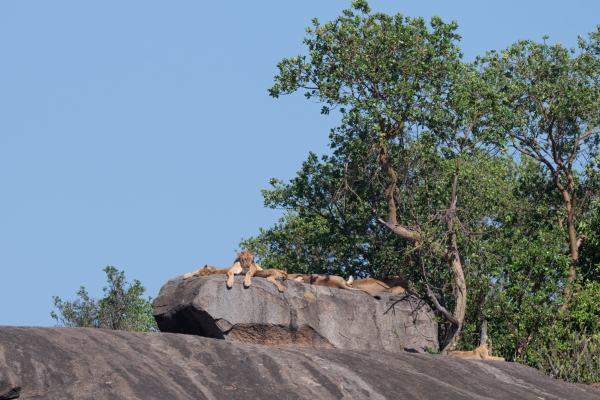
483	352
206	270
395	285
323	280
272	275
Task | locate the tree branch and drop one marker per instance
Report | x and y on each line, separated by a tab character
401	231
439	307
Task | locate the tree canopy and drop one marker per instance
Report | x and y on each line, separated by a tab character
123	307
550	111
476	181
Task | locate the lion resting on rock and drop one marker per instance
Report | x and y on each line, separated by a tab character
243	262
245	259
206	270
272	275
395	285
483	352
324	280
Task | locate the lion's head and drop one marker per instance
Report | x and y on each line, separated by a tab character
245	258
489	348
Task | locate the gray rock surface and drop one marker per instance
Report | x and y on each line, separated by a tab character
302	316
87	363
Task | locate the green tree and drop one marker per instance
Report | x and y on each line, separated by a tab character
123	307
391	78
326	230
331	230
516	286
421	182
551	112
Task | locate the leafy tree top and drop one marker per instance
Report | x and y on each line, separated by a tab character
123	307
551	98
390	70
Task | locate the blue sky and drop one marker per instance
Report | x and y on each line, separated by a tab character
139	134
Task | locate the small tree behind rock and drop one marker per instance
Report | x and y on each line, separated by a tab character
123	307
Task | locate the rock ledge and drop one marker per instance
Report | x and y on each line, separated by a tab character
302	316
86	363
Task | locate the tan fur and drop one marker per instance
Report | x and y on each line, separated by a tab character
206	270
245	259
272	275
395	285
324	280
483	352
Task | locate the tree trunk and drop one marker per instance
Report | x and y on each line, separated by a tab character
392	179
460	287
483	338
569	196
392	222
460	303
450	254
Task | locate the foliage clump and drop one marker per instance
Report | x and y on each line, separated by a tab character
123	307
476	181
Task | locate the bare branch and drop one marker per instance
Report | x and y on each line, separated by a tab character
401	231
439	307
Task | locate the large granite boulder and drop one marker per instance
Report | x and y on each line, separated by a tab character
302	316
87	363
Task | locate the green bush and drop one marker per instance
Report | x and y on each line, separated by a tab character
123	307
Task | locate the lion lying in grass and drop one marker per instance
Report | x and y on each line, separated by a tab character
483	352
395	285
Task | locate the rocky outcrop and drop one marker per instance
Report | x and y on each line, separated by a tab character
86	363
302	316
